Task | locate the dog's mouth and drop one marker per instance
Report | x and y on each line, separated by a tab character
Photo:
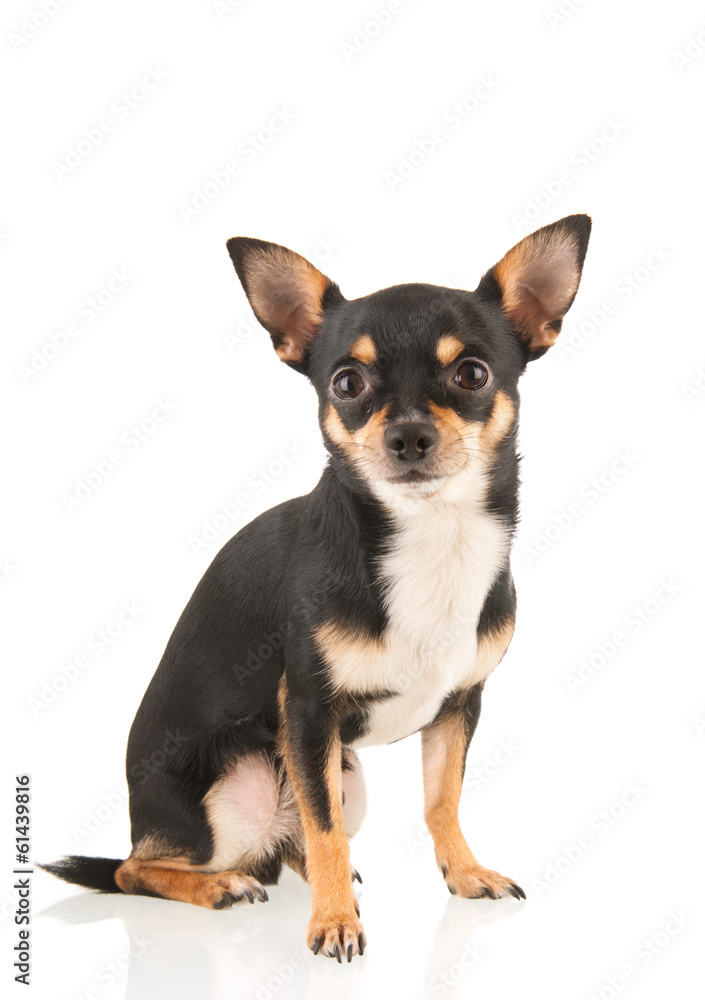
414	476
416	483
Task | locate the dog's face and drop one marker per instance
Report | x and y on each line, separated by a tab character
417	384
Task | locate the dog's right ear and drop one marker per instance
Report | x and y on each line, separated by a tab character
288	295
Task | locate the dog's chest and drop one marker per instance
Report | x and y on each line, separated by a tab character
441	565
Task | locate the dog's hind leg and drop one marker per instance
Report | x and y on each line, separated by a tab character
252	821
168	879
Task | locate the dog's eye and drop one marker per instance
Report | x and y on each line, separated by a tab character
470	375
348	385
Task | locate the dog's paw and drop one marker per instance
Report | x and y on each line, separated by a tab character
340	937
476	882
233	887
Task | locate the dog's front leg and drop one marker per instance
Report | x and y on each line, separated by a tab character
311	748
444	747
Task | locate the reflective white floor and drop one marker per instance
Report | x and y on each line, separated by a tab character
600	921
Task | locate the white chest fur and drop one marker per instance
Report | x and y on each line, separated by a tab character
445	557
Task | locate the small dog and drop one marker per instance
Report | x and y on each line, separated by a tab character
384	597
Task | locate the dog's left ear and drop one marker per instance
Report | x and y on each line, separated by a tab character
537	280
288	295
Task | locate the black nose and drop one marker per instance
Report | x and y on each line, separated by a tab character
411	441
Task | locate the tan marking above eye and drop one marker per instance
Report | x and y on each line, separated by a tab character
449	348
364	350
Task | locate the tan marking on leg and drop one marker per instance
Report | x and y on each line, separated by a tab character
443	752
214	890
364	350
334	925
449	348
281	696
443	748
354	804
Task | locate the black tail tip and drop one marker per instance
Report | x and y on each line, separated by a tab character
91	873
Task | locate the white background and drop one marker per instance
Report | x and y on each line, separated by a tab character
586	791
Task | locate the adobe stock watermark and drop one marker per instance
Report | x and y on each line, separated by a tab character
599	826
281	976
476	778
118	111
694	391
233	511
272	642
100	814
224	7
589	493
129	442
445	983
451	120
633	624
378	19
248	149
93	647
578	332
7	569
648	949
579	160
322	250
34	24
8	908
258	656
562	12
108	974
428	653
86	312
691	51
112	803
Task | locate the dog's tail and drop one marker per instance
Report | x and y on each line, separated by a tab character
91	873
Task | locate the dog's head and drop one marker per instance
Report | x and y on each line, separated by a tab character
417	383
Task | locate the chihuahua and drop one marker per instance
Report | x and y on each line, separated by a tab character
384	598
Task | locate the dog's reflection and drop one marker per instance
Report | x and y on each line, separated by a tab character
185	951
